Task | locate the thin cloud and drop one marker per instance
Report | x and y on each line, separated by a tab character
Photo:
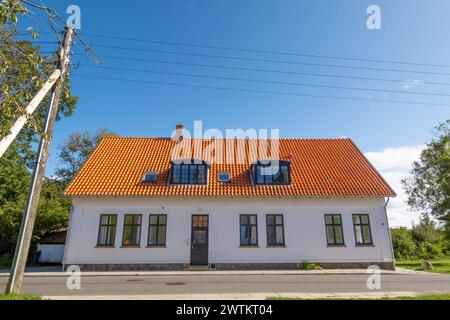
411	84
394	164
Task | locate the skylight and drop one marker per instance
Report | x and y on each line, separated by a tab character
149	177
223	177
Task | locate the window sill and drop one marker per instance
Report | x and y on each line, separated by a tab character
336	246
249	246
156	247
130	247
365	245
104	247
276	246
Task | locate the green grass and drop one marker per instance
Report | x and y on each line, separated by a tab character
430	297
439	265
4	296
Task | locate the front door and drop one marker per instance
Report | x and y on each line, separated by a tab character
199	240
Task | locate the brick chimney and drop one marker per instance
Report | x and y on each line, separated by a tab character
178	133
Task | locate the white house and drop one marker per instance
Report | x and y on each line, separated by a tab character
136	207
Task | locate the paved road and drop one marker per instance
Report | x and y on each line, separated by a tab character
191	284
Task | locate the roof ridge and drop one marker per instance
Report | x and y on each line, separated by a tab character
168	138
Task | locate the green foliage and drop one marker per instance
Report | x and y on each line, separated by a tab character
22	73
11	296
9	9
305	265
5	261
403	243
425	241
77	148
428	188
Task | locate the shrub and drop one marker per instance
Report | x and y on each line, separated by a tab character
404	245
305	265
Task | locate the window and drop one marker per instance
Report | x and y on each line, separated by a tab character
275	230
149	177
189	173
248	230
335	235
107	230
157	230
269	174
223	177
132	230
361	225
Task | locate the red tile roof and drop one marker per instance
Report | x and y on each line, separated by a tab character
320	167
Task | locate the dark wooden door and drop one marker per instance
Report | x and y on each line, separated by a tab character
199	240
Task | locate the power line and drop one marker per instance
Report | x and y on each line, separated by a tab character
271	70
264	51
264	81
261	91
269	60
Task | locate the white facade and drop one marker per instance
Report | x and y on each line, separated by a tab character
304	229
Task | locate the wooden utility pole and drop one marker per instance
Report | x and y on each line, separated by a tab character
26	228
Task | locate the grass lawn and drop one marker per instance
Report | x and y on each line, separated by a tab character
432	297
19	297
439	265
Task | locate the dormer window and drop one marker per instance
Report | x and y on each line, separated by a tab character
271	173
189	172
224	176
149	177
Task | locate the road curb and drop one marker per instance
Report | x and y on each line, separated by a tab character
225	273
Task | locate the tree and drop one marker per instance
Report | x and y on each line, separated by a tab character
77	148
426	231
428	188
22	72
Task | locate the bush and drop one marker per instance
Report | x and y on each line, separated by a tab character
305	265
404	245
5	261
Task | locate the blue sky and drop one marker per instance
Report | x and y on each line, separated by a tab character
412	31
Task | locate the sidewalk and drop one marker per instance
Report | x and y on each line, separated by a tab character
243	296
56	272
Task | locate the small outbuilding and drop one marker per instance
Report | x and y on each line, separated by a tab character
51	247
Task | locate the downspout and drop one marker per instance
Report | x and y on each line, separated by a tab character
389	231
67	237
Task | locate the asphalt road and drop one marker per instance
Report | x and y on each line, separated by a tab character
191	284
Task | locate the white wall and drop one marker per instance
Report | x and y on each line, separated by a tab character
51	253
305	234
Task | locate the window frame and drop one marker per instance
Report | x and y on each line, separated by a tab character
249	224
334	225
132	225
227	173
361	224
108	225
155	174
190	165
157	225
270	181
275	225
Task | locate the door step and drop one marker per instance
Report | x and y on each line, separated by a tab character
198	268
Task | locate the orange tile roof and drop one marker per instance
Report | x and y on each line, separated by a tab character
320	167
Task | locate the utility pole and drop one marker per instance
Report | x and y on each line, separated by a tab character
26	228
34	103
